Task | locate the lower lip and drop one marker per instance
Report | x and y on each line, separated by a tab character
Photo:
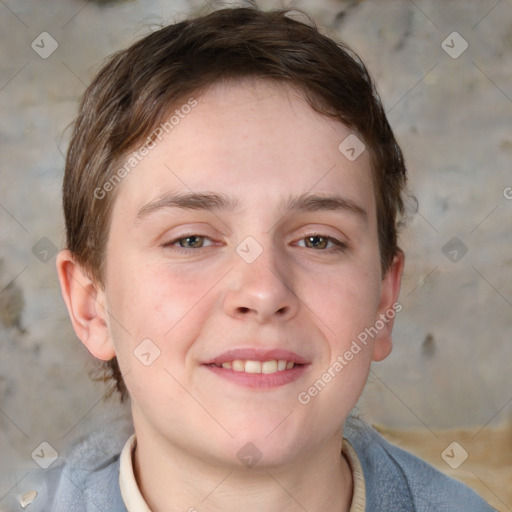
260	380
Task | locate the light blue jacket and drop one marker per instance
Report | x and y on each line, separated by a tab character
396	481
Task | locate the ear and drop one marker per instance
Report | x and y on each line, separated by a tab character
388	307
85	301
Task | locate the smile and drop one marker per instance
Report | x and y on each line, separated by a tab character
251	366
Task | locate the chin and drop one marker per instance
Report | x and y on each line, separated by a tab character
257	449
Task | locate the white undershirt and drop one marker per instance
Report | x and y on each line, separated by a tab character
134	501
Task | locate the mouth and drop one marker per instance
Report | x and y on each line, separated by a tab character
253	366
258	369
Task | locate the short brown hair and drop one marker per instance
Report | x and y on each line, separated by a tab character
137	87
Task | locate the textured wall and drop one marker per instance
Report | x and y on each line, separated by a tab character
451	108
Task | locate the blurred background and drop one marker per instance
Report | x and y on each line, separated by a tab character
443	70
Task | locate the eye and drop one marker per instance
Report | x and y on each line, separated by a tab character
189	242
322	242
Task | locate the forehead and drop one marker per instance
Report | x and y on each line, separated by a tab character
252	139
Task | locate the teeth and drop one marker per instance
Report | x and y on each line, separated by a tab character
267	367
249	366
252	367
238	365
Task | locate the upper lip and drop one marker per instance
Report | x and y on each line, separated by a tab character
257	354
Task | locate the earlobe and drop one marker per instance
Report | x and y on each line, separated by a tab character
388	308
85	303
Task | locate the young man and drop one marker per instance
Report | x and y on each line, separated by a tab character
232	196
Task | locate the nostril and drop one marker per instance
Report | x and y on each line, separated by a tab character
243	309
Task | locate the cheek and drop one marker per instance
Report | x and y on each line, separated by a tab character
345	301
158	304
148	311
346	307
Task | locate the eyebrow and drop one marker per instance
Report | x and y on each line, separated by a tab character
315	202
214	201
189	201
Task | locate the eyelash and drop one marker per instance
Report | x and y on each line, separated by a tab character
338	245
183	250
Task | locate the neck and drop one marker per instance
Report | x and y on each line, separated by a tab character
171	480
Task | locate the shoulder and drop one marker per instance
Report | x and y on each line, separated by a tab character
396	480
85	480
81	489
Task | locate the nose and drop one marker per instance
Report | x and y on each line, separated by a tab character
261	291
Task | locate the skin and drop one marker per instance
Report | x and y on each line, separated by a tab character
259	143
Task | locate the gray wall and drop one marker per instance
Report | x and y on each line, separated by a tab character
451	364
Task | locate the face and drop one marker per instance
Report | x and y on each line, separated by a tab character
243	249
